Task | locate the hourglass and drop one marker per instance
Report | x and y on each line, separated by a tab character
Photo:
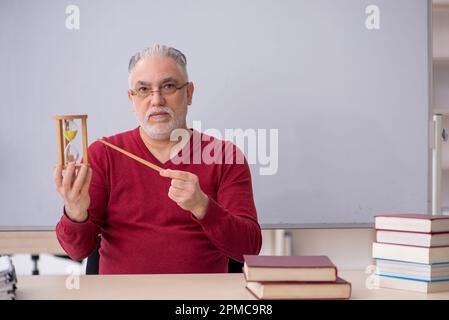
68	131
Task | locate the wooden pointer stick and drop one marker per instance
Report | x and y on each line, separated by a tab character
129	154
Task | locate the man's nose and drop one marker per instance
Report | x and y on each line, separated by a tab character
157	99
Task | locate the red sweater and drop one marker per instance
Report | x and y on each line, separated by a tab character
144	231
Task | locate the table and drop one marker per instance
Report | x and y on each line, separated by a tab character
178	287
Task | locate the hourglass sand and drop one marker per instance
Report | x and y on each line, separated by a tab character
67	131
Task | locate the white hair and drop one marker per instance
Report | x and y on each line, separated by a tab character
158	50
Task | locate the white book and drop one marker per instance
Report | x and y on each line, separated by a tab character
8	297
8	278
412	285
7	288
412	270
413	222
410	253
413	238
6	266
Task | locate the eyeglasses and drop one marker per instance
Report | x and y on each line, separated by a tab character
165	89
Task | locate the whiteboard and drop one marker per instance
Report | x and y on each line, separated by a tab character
350	104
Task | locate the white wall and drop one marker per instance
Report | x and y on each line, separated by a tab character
440	29
349	249
441	84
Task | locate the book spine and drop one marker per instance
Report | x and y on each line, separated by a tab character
418	232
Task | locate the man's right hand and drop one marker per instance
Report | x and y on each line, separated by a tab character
74	189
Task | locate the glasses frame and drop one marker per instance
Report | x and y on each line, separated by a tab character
136	94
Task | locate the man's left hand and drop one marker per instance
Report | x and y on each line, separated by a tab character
185	190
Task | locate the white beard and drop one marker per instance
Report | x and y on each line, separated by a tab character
162	131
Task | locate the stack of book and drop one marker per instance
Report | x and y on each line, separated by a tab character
294	277
412	252
8	279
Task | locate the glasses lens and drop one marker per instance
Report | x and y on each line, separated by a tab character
168	88
142	92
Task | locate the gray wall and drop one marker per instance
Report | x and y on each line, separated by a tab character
351	105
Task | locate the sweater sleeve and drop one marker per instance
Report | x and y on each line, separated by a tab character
79	239
231	221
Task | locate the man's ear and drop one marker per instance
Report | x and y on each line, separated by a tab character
190	89
130	98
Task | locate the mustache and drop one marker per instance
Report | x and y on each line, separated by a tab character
158	110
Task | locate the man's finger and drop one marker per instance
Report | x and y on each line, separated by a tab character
172	197
80	177
177	183
174	192
176	174
58	177
85	187
68	177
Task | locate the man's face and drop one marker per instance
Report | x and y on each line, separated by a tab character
158	113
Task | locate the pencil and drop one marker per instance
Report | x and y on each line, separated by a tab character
129	154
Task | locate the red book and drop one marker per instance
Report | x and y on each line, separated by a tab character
413	222
339	289
289	268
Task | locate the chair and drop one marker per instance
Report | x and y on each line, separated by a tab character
92	265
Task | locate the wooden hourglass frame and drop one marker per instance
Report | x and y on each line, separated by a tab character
65	137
